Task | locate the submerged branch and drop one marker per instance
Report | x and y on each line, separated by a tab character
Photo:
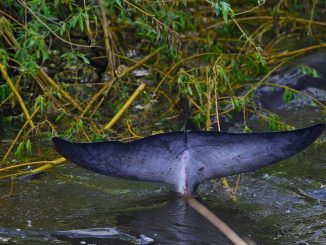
46	165
217	222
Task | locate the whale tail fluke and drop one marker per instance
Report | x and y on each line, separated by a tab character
205	154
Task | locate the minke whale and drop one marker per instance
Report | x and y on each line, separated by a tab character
186	159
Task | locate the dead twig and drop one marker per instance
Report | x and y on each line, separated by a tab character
17	94
125	106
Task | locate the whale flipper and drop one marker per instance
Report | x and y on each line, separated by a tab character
187	161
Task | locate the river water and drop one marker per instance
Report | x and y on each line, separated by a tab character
281	204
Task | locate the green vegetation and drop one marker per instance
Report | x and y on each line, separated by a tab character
69	66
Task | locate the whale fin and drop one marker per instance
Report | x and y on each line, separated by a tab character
147	159
184	163
217	154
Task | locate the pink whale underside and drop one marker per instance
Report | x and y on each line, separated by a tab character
183	179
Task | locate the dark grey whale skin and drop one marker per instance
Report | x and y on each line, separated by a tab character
184	162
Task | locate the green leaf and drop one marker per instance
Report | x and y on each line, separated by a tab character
244	102
72	57
63	28
3	56
81	24
287	95
56	3
217	9
226	11
71	6
40	102
236	103
58	117
28	146
274	122
19	149
260	59
84	58
247	130
118	2
4	91
310	71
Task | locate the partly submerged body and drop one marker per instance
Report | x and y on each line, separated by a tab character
185	162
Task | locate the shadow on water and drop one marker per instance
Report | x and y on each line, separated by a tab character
175	223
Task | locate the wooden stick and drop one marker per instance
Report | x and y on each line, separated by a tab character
20	165
108	48
125	106
19	98
217	222
49	165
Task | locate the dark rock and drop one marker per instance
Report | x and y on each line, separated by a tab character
292	75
